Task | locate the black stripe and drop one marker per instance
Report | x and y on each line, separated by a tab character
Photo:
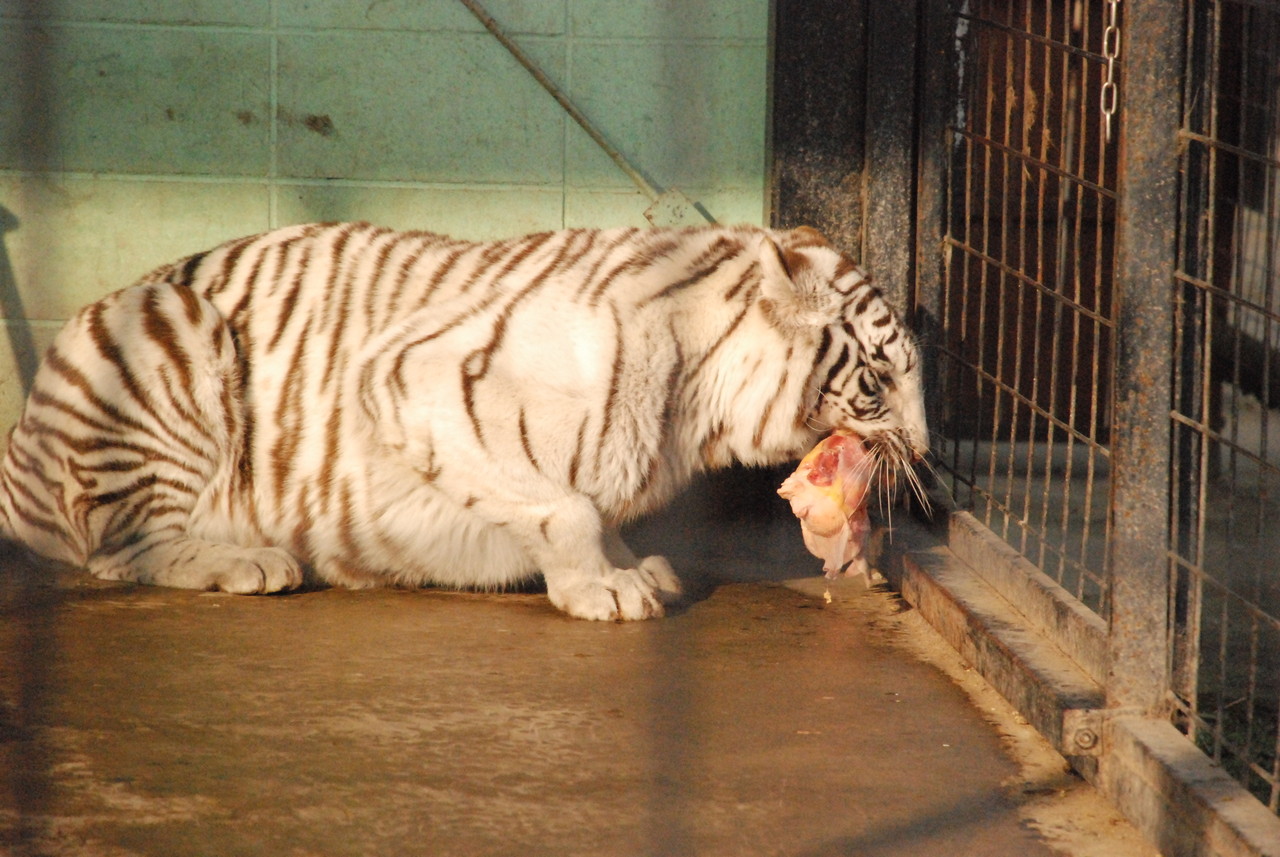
331	436
111	351
342	307
758	438
614	380
390	241
706	264
287	411
715	346
185	273
525	441
865	301
576	461
476	365
438	275
285	312
396	376
836	367
603	256
232	253
161	332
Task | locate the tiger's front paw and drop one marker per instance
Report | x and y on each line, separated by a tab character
255	571
620	594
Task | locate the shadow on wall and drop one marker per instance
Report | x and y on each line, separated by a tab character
26	607
36	133
12	311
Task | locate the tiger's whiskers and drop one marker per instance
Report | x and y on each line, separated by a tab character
888	461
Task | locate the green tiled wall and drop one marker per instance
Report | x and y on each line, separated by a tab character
134	131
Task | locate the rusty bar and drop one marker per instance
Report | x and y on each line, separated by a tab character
936	98
1138	635
482	15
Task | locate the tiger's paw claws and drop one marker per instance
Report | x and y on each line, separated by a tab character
619	595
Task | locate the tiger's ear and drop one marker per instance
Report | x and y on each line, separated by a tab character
792	292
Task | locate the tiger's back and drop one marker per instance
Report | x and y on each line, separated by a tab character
373	406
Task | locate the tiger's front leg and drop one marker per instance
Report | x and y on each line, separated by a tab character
591	574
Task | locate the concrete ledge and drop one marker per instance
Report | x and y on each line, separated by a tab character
1051	609
1037	678
1178	798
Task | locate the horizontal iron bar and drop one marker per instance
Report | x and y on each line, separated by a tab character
1058	551
1230	148
1246	602
1231	297
1052	419
1029	160
1218	437
1036	38
1025	279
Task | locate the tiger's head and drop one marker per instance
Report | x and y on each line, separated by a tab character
865	374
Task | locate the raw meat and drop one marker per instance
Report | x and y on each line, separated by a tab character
828	493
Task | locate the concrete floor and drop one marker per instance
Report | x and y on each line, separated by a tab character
759	719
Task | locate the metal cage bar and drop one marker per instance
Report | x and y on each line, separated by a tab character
1138	640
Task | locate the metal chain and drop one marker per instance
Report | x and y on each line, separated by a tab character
1111	52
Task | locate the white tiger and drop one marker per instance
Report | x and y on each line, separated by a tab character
351	405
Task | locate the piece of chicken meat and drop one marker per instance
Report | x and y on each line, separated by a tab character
828	493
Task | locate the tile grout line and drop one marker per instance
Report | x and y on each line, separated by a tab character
286	181
275	28
564	126
273	108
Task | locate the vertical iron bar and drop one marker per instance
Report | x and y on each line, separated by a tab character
1069	87
935	99
987	201
1008	167
1138	620
973	221
1046	357
1079	257
1021	356
1205	411
1234	323
1188	595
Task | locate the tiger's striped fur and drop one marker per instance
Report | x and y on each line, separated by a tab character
381	407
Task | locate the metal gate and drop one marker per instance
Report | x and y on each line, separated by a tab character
1104	324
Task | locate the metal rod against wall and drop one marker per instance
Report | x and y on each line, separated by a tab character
1139	617
645	186
670	207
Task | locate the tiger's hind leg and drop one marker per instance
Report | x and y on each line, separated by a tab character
133	424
